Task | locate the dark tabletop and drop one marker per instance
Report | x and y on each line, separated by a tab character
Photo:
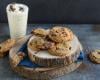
89	35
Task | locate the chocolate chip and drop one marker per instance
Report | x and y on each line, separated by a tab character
12	8
0	47
21	9
53	34
98	52
57	31
48	45
69	48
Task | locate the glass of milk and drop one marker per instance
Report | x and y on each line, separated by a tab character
17	18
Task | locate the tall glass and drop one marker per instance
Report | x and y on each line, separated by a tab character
17	20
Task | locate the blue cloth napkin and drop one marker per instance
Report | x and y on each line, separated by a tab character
28	63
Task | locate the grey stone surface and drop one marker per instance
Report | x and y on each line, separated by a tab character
89	36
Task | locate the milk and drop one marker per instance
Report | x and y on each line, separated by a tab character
17	20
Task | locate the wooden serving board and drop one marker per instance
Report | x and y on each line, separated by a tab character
39	73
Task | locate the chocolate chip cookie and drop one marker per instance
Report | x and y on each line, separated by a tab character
37	43
60	34
95	56
40	43
40	32
6	46
60	49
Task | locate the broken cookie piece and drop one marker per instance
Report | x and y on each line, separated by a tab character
6	46
95	56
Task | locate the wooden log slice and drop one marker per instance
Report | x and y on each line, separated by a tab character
39	73
44	73
52	61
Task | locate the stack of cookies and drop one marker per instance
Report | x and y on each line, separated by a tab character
57	46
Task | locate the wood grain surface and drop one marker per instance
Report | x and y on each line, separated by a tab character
38	73
89	36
